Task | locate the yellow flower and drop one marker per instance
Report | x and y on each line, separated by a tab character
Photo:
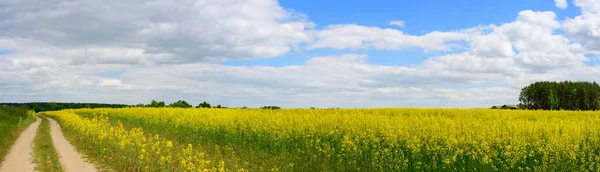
169	144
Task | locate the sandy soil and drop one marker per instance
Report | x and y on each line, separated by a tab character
69	158
19	156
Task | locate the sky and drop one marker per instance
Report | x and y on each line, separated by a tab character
288	53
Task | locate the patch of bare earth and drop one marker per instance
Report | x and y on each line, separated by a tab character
68	156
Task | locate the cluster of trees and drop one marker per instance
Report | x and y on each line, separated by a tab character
271	107
564	95
178	104
51	106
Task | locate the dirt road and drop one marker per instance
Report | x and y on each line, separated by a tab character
19	157
69	158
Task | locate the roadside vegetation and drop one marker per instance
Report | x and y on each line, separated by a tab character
45	156
13	120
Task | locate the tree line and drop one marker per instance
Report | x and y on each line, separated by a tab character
52	106
184	104
565	95
177	104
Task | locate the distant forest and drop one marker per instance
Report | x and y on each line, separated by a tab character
53	106
564	95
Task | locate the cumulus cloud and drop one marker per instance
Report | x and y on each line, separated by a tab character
492	45
163	30
166	50
529	42
562	4
585	28
588	5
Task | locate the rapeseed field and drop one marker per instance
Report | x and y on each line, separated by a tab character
178	139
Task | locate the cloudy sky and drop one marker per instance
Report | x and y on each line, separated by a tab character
377	53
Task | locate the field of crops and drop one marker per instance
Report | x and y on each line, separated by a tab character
173	139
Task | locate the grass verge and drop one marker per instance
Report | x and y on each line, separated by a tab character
45	156
13	121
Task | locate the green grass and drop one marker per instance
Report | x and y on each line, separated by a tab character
45	156
12	122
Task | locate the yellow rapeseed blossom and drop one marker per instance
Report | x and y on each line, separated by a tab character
128	149
170	139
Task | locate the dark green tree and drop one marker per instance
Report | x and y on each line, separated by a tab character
161	104
154	103
54	106
203	105
37	108
180	104
271	107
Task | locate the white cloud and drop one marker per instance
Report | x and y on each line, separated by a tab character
585	28
159	50
351	36
116	84
176	32
492	45
399	23
545	19
111	83
591	6
529	42
326	81
466	62
562	4
344	78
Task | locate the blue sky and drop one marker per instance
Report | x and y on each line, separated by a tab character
462	53
420	17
